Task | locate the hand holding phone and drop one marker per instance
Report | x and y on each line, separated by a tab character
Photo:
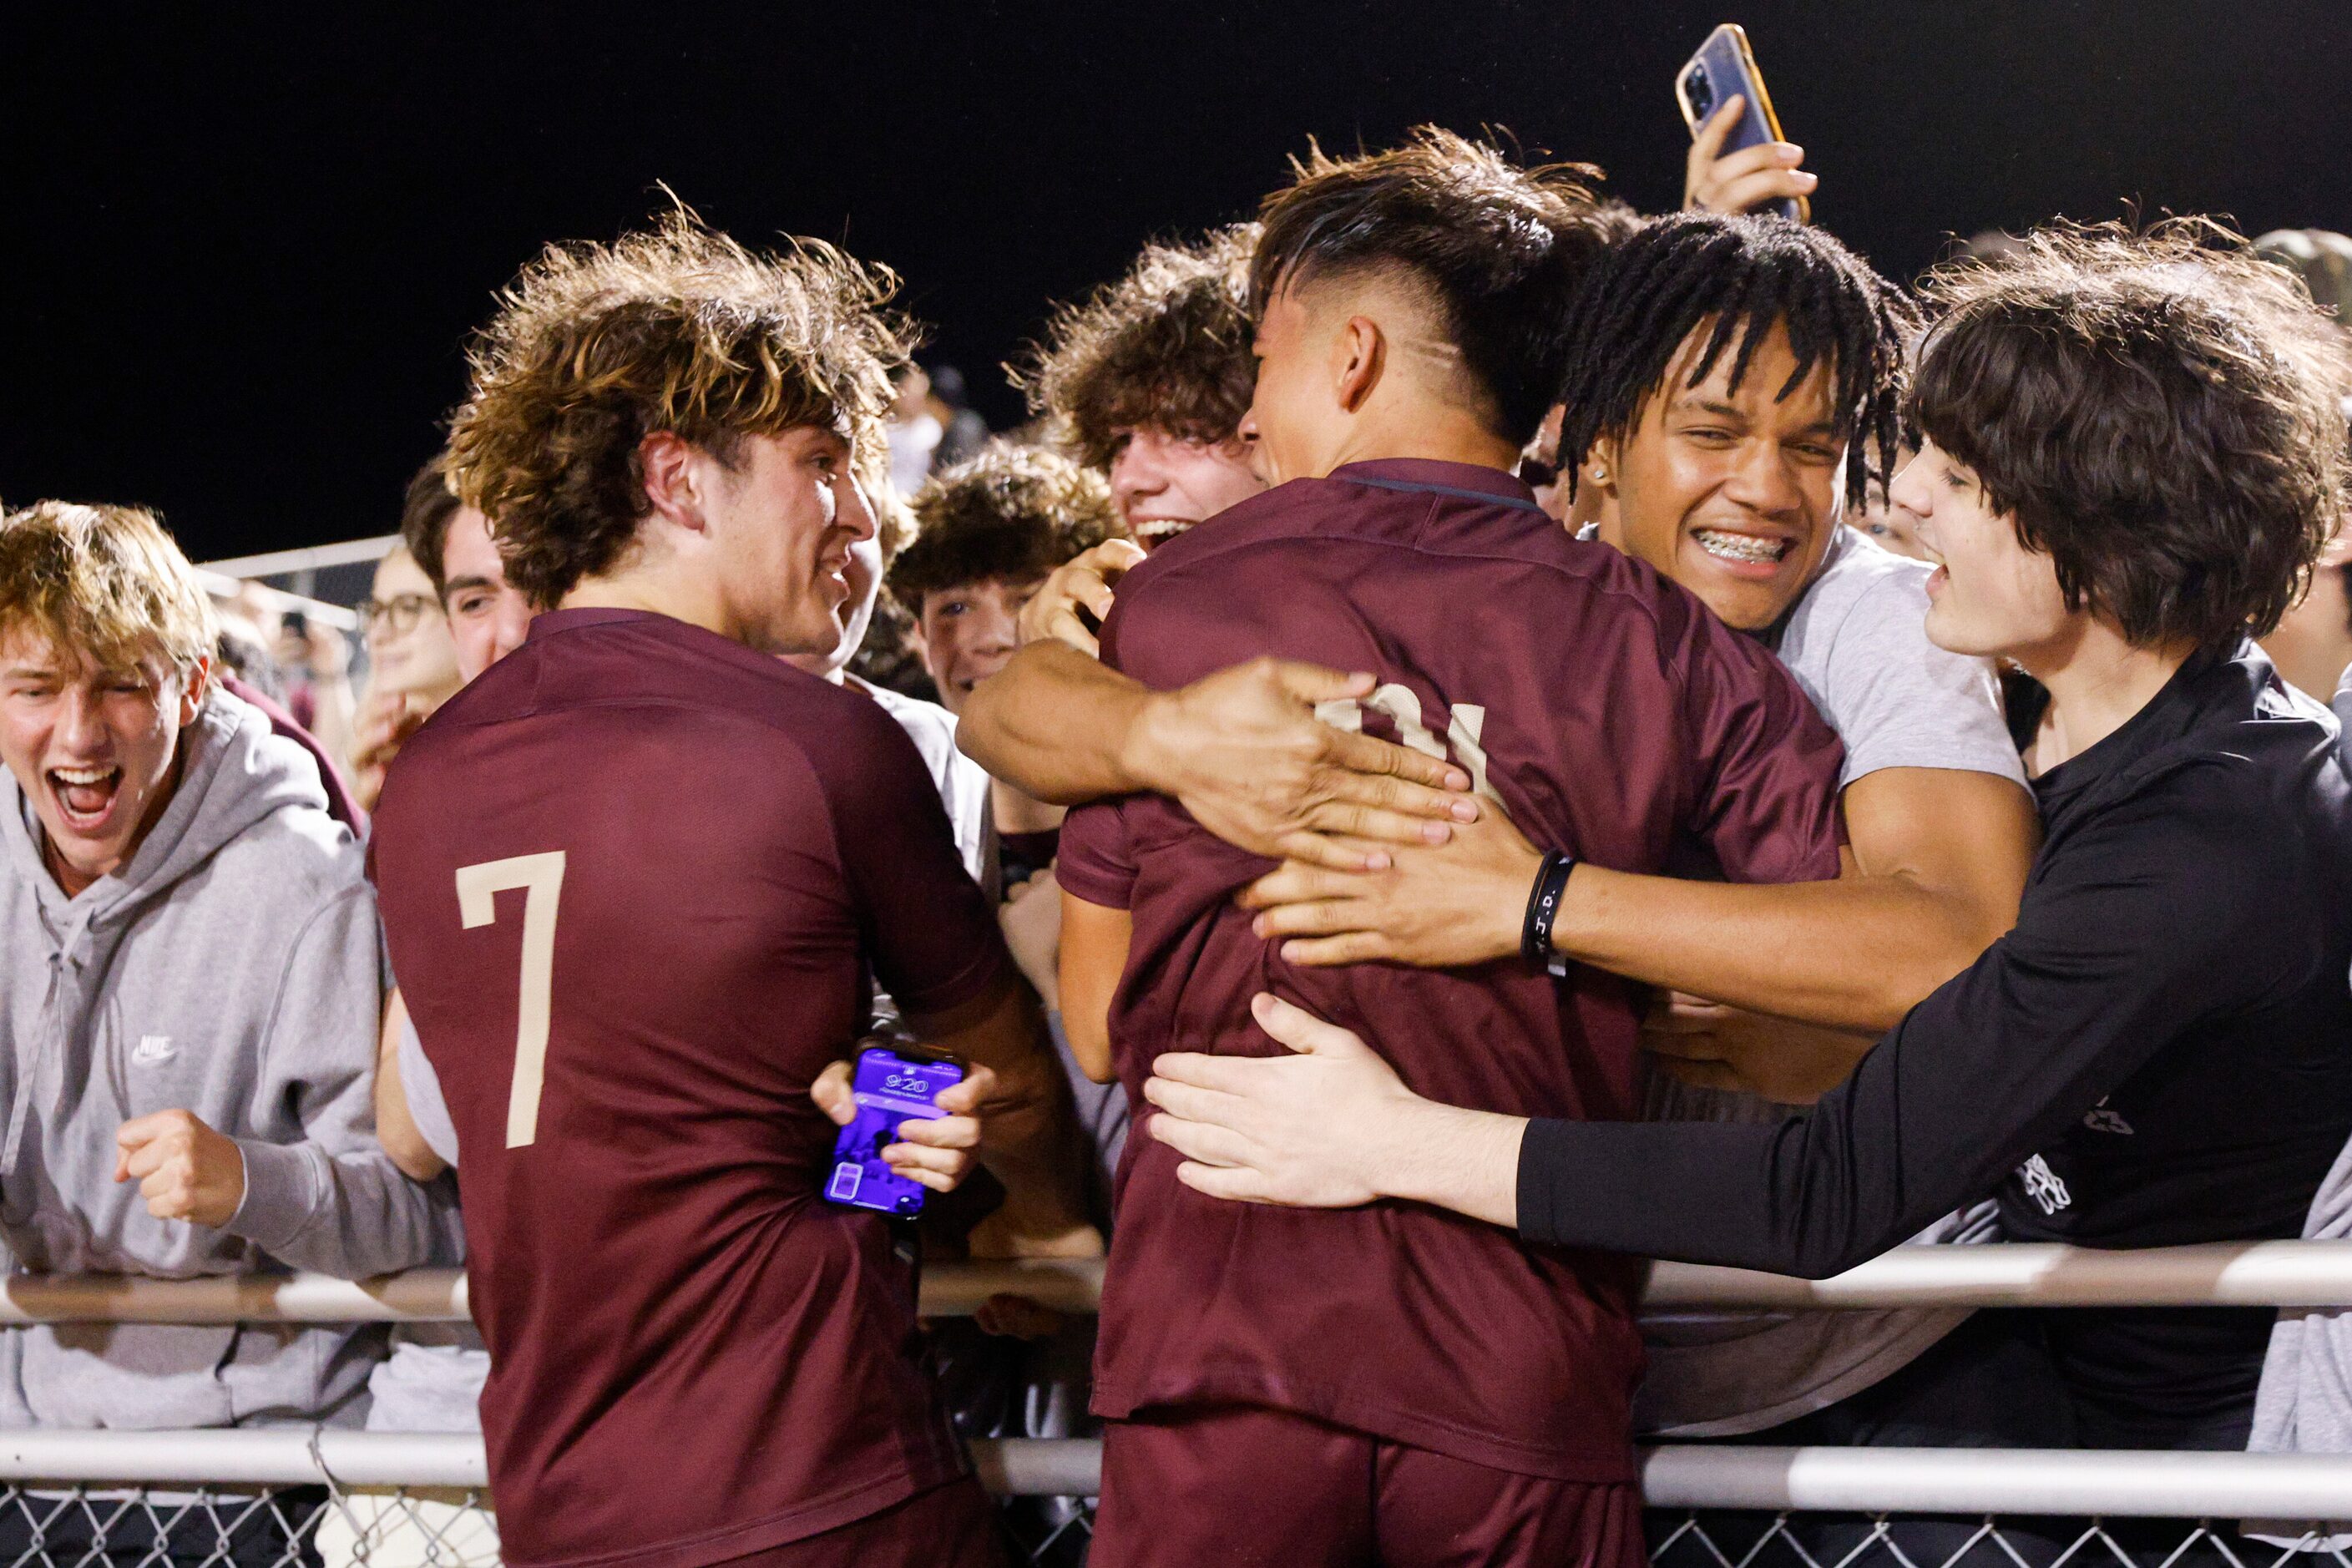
1739	162
895	1103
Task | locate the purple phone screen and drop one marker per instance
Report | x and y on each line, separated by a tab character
889	1088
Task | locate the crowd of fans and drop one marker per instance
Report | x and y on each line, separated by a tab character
1880	902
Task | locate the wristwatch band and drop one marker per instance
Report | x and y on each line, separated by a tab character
1543	908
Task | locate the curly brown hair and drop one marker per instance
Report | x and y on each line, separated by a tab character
678	329
1501	247
1015	513
2160	412
1166	348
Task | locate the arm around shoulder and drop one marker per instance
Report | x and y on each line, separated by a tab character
1056	723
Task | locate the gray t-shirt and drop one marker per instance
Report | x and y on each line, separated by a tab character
1856	641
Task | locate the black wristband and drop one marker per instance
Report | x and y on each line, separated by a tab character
1543	908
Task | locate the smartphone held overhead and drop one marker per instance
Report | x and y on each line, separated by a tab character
1724	69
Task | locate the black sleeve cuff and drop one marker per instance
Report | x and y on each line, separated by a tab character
1541	1149
1694	1192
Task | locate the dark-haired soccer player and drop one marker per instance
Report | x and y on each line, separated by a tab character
684	862
1395	1385
2162	1051
988	531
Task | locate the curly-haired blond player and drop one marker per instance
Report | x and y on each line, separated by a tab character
638	879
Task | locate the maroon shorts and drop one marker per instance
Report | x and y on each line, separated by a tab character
1209	1487
950	1526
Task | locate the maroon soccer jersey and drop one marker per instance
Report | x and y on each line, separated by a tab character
636	880
1614	718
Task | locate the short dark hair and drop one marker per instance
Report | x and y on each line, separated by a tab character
425	516
1739	276
1166	347
2160	412
1501	248
1014	512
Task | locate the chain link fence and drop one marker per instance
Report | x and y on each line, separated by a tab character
132	1500
398	1527
338	1503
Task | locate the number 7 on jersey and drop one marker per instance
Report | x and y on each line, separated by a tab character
541	878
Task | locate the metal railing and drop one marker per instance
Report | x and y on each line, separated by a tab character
79	1496
307	558
2245	1274
2020	1481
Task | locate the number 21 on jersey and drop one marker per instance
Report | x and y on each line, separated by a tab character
541	877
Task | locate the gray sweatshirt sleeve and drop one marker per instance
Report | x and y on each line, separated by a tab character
319	1192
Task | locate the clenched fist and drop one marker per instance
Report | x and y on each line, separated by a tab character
184	1168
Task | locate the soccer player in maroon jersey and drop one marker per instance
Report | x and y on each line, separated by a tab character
687	863
1393	1384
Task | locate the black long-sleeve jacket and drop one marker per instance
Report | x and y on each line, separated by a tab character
2159	1053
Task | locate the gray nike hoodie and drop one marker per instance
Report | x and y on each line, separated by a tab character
2304	1405
232	968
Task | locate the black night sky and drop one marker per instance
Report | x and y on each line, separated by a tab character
243	245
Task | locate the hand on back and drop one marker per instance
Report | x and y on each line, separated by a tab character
1447	905
1083	581
1244	753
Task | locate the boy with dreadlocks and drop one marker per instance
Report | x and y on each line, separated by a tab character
1729	383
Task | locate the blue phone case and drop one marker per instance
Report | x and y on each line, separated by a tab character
1721	69
889	1087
